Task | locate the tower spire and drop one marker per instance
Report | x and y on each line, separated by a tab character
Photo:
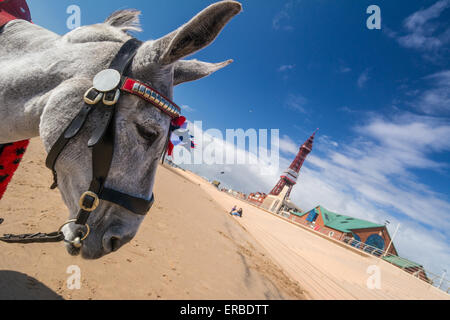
290	176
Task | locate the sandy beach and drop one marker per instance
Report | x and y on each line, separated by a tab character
326	269
189	247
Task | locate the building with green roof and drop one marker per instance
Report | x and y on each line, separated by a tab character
370	237
342	227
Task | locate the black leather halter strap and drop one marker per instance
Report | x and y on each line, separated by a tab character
102	145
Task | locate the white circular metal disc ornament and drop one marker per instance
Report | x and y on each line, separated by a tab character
107	80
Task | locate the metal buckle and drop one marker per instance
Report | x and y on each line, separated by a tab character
89	96
94	205
106	98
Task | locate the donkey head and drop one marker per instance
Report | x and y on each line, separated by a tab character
141	130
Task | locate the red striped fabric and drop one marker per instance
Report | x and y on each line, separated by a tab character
13	9
11	154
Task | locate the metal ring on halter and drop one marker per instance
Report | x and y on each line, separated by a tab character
88	229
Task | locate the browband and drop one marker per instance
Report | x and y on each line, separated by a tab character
151	95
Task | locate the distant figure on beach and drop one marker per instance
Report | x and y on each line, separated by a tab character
235	212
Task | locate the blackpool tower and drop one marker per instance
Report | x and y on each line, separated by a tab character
290	176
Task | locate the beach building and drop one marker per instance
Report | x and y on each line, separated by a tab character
368	236
257	198
237	194
339	226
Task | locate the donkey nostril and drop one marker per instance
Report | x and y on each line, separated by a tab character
115	244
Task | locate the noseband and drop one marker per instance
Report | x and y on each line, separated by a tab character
107	88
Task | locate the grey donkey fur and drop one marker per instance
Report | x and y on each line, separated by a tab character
43	77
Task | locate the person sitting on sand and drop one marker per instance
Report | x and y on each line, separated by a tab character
233	210
235	213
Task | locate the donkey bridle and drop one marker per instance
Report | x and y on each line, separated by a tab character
103	96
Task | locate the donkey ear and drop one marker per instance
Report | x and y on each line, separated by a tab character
198	33
186	71
125	20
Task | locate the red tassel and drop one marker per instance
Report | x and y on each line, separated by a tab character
170	149
178	122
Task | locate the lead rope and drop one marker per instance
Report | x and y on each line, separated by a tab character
166	147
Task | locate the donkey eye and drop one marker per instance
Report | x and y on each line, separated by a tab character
147	133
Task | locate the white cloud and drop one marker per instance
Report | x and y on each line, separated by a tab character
282	18
420	18
422	32
288	145
327	142
346	109
187	108
436	100
363	78
417	137
286	67
296	102
344	69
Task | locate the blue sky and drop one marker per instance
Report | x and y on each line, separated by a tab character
381	99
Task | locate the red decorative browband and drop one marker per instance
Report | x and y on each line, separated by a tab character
151	95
